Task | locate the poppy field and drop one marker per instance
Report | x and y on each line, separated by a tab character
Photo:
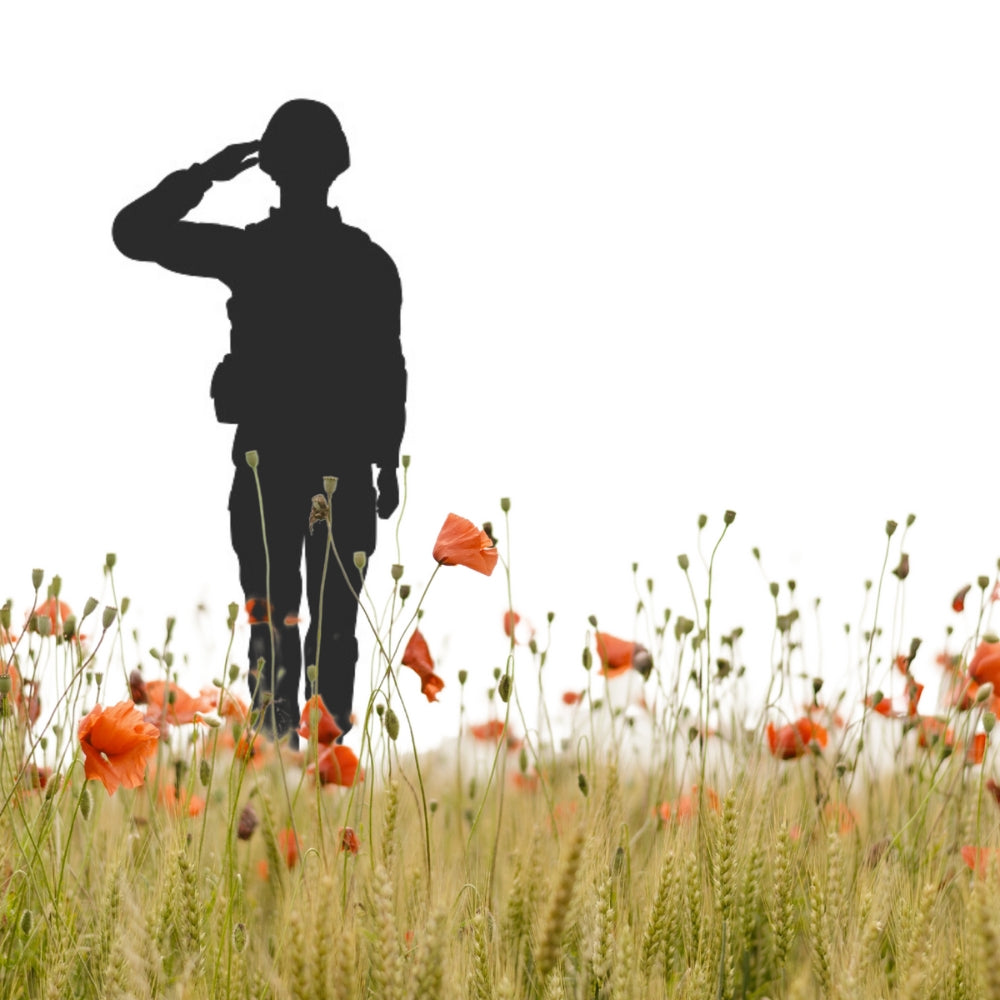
670	837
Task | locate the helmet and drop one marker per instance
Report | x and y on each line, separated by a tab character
303	142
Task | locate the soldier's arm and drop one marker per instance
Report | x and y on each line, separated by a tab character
152	227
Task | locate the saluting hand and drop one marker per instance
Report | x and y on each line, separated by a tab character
388	493
233	160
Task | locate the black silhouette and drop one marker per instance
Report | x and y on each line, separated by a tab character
315	381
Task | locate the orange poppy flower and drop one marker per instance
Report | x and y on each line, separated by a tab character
985	664
616	654
571	697
526	782
233	708
792	740
327	729
349	840
336	765
288	844
521	635
256	609
931	730
117	745
461	543
883	706
180	707
193	805
417	656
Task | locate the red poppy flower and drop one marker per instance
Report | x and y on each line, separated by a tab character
526	782
985	664
461	543
958	601
417	656
349	840
233	708
256	609
327	729
288	844
616	654
117	745
571	697
792	740
521	635
336	765
883	706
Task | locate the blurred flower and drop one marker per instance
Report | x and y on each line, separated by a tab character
526	782
256	609
417	656
461	543
327	729
685	806
958	601
173	703
117	744
193	805
979	858
233	708
488	731
336	765
349	840
792	740
521	635
571	697
288	844
931	731
616	654
985	664
56	611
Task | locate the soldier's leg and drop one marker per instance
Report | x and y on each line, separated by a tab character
331	642
274	652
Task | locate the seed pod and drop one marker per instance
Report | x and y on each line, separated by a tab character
391	724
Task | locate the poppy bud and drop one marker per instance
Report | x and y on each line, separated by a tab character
155	653
504	688
205	772
240	938
729	516
86	801
391	724
396	572
581	780
125	604
984	693
774	588
5	615
37	575
593	620
380	710
5	685
588	658
702	521
989	721
108	617
168	658
234	610
43	625
312	673
683	562
25	922
247	823
522	760
496	673
405	461
253	459
756	553
69	627
505	504
404	591
902	571
890	528
329	485
234	673
983	581
360	558
463	676
550	616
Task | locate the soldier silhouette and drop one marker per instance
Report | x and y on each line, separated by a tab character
315	381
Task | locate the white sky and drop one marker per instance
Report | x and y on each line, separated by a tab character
673	259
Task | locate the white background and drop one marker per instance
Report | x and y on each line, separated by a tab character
657	260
